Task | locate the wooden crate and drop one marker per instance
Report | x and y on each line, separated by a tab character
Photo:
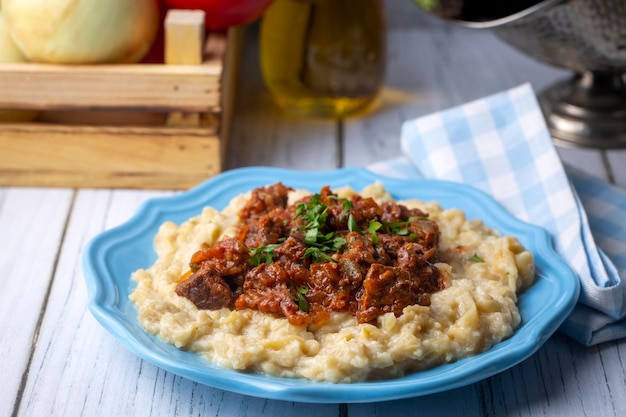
133	126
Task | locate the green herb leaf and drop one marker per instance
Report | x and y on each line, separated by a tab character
310	236
372	228
476	258
263	254
399	228
317	255
315	213
337	243
303	304
353	225
346	205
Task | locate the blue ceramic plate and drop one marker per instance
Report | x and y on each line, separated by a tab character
112	256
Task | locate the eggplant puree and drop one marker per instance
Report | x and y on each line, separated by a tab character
336	286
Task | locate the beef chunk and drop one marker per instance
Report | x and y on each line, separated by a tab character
264	199
385	289
227	257
206	289
334	283
266	289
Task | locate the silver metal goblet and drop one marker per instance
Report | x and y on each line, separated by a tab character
585	36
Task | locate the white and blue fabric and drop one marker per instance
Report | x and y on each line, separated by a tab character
501	144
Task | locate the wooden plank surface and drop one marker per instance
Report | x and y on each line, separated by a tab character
32	226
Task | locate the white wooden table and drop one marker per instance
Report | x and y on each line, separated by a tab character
56	360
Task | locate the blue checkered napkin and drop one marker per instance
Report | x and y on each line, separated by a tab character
501	145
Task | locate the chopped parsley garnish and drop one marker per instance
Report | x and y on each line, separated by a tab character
352	224
399	228
372	228
303	304
315	214
327	243
476	258
263	254
402	228
346	205
317	255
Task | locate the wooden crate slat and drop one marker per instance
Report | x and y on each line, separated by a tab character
86	156
152	87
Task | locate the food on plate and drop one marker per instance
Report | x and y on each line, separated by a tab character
334	286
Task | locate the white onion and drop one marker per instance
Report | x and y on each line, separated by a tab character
82	31
10	53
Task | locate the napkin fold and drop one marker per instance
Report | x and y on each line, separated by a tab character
501	144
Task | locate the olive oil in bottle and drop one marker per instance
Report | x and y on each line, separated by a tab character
323	57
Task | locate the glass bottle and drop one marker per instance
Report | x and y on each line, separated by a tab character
323	57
